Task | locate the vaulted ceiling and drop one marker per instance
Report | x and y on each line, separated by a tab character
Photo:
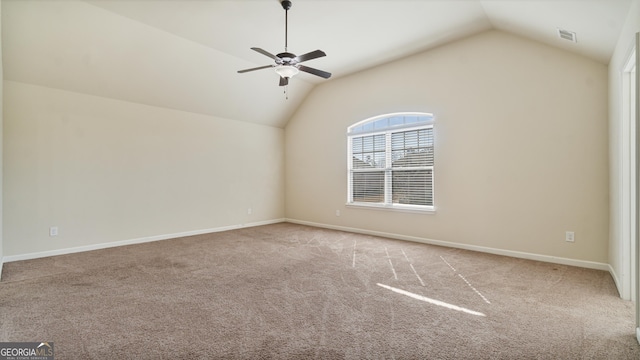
184	55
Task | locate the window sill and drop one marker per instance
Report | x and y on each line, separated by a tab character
398	208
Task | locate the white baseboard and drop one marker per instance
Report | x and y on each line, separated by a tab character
78	249
511	253
1	263
495	251
616	281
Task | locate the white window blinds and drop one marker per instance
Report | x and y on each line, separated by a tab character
392	165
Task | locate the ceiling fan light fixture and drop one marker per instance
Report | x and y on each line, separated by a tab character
286	71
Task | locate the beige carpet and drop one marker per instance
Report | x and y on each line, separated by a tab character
287	291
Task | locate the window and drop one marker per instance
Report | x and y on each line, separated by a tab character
391	162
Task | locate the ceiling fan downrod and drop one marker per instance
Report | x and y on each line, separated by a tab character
286	5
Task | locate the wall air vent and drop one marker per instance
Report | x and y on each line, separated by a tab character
567	35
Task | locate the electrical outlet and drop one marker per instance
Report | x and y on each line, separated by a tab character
249	211
569	236
53	231
337	212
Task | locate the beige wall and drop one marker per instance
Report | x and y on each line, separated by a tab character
620	56
105	170
521	147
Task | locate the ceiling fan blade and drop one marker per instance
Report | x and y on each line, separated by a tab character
265	53
284	81
252	69
310	56
322	74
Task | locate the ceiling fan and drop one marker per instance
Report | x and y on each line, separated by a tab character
287	64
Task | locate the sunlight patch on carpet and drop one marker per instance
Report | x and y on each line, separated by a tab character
354	253
395	275
431	301
474	289
466	281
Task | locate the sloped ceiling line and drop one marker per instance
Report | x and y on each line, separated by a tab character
130	50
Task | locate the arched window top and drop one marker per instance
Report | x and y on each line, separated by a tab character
390	121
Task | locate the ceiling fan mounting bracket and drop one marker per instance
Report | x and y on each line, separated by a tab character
286	4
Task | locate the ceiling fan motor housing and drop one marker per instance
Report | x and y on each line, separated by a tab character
286	57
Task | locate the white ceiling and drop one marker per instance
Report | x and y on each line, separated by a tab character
184	54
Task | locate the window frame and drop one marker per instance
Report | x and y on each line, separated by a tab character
388	169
